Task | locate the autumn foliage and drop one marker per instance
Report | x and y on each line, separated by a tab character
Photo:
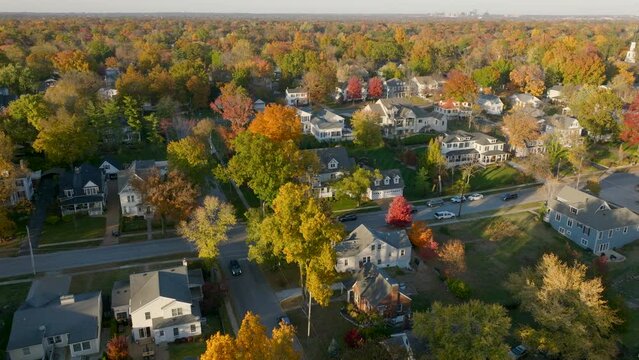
375	88
278	123
421	236
453	255
234	105
399	212
354	338
354	88
117	348
630	128
459	87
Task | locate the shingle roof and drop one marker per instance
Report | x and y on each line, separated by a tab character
391	184
480	138
325	155
375	284
362	237
121	293
169	283
488	99
562	122
296	90
79	177
161	323
113	161
138	168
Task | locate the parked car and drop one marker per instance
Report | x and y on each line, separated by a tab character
283	320
236	269
444	215
509	196
435	202
414	210
458	199
347	217
474	197
518	352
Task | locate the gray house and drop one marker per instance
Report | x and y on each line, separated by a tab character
591	222
334	164
83	191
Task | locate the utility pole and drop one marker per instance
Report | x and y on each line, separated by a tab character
31	251
581	160
310	304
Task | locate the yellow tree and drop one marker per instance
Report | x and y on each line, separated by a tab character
453	255
529	79
278	123
70	60
521	127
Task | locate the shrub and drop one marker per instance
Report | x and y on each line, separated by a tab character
213	297
500	229
378	331
52	219
459	288
409	158
67	218
353	338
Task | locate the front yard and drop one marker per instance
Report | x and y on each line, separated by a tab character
12	297
70	228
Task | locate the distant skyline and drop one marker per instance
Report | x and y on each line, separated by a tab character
498	7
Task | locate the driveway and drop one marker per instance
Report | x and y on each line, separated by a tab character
621	189
112	213
46	196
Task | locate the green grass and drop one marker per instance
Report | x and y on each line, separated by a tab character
186	350
69	229
10	248
346	204
142	151
621	279
12	297
498	176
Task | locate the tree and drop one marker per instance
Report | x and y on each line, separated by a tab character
422	182
117	348
421	236
73	91
529	79
472	330
366	129
320	83
354	186
252	342
134	84
170	196
278	123
630	127
70	60
198	90
65	139
7	226
399	212
435	161
234	105
190	156
152	129
30	108
375	88
391	70
208	227
597	110
133	113
486	77
453	255
18	79
459	87
354	88
521	128
586	68
572	318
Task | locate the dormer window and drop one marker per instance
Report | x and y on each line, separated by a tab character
573	210
93	190
68	193
332	164
376	182
386	180
396	179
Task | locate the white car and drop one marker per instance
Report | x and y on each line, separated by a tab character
444	215
474	197
457	199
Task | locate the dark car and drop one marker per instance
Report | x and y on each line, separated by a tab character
414	210
236	269
518	352
347	217
435	202
509	196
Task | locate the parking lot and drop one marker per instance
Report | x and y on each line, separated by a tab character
621	189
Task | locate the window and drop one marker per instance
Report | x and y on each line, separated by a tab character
373	247
377	184
176	331
130	198
379	246
332	164
50	340
599	235
402	252
396	180
345	262
610	233
176	312
569	222
147	315
379	261
557	217
161	332
77	347
86	345
193	328
68	193
625	229
91	190
58	339
562	231
386	181
140	333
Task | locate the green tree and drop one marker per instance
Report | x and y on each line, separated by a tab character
555	153
597	110
320	83
65	139
572	318
208	227
190	156
354	186
366	129
487	77
472	330
422	182
435	162
18	79
133	113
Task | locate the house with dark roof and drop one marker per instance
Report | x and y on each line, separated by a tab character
364	245
395	88
401	118
461	147
82	191
110	166
296	97
374	291
388	186
334	164
53	324
324	124
590	221
163	305
131	201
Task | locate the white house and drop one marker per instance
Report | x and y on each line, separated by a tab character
259	105
324	125
461	147
296	97
162	306
631	55
334	164
390	185
424	86
555	93
524	100
23	185
82	191
130	199
401	118
564	129
110	167
491	104
52	324
364	245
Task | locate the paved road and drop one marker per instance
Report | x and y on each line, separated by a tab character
620	188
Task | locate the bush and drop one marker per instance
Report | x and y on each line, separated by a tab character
67	218
378	331
459	288
213	296
52	219
353	338
500	229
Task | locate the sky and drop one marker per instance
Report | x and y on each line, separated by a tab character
512	7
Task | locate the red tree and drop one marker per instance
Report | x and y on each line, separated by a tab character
353	338
375	88
399	212
630	128
354	88
234	105
117	348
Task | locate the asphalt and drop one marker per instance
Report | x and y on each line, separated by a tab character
621	189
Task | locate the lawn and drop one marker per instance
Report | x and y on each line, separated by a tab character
198	346
346	204
621	279
285	276
142	151
608	154
498	176
10	248
12	297
70	228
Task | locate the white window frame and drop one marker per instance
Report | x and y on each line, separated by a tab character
584	242
557	217
402	252
562	231
625	229
569	222
86	345
610	233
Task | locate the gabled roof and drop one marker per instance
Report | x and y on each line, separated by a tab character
374	284
325	155
479	138
121	293
81	176
561	122
326	119
297	90
394	82
524	98
390	174
404	108
169	283
591	210
113	161
488	99
141	169
362	237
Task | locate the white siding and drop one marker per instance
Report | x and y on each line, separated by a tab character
384	257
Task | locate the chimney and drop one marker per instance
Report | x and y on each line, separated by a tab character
67	299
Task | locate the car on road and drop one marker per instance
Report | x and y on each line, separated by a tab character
509	196
458	199
435	202
347	217
518	352
236	269
444	215
474	197
283	320
414	210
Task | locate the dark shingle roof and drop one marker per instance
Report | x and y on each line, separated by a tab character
81	175
169	283
391	174
362	237
375	284
325	155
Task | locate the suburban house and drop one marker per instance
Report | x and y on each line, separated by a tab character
591	222
461	147
537	146
334	163
163	305
491	104
390	185
453	109
342	93
564	129
53	324
555	93
524	100
110	167
82	191
130	199
259	105
296	97
395	88
401	118
111	75
425	86
324	124
23	184
364	245
375	291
